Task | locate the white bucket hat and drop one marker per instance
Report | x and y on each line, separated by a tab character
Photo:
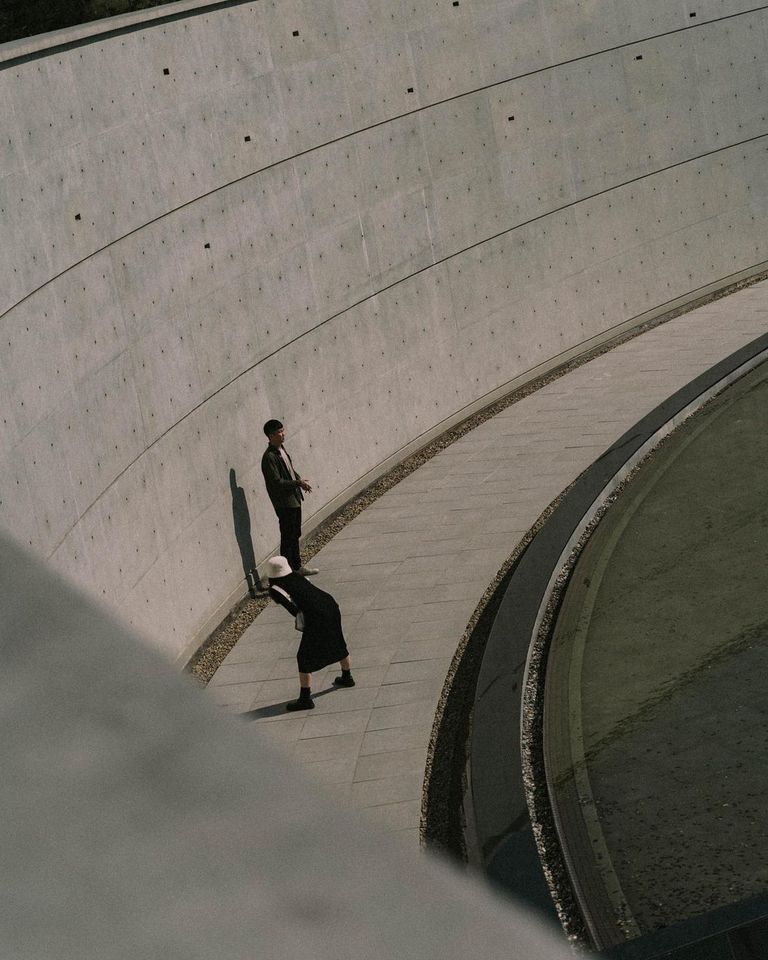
278	567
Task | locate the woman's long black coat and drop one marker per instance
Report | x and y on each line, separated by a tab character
322	641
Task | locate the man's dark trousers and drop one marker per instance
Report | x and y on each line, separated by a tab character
289	519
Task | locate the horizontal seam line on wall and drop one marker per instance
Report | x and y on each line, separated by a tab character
381	123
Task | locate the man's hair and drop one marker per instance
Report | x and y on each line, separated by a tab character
272	426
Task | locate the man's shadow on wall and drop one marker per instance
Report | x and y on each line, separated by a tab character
241	519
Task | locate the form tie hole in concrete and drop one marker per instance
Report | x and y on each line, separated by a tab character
692	14
410	90
166	71
247	139
78	217
639	56
207	246
295	33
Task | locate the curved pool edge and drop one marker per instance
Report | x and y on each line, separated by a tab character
499	786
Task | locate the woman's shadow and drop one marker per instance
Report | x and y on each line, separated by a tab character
242	523
278	709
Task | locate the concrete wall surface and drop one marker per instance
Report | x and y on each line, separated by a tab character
362	218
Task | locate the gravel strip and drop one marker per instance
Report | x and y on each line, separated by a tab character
534	777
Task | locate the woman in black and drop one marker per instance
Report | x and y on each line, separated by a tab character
319	619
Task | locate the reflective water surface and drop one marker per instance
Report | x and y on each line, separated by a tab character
660	667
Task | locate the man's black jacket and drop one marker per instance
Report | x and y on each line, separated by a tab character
283	490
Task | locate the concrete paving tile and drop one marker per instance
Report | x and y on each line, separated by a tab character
391	504
333	724
272	711
396	615
322	681
367	677
390	739
285	732
416	487
339	770
447	496
373	656
388	527
359	639
466	514
328	748
346	590
279	690
452	611
428	580
381	541
408	691
406	671
260	632
238	696
378	624
440	550
435	630
340	792
350	606
364	550
411	570
459	483
472	468
367	571
508	525
249	672
342	700
284	668
491	455
245	652
370	793
402	715
398	763
267	711
426	649
273	613
287	673
413	566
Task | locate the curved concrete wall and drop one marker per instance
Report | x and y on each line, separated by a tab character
362	218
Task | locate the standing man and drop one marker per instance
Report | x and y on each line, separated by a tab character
285	487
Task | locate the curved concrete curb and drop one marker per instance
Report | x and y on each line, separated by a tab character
497	781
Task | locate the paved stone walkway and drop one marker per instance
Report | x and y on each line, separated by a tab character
409	571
